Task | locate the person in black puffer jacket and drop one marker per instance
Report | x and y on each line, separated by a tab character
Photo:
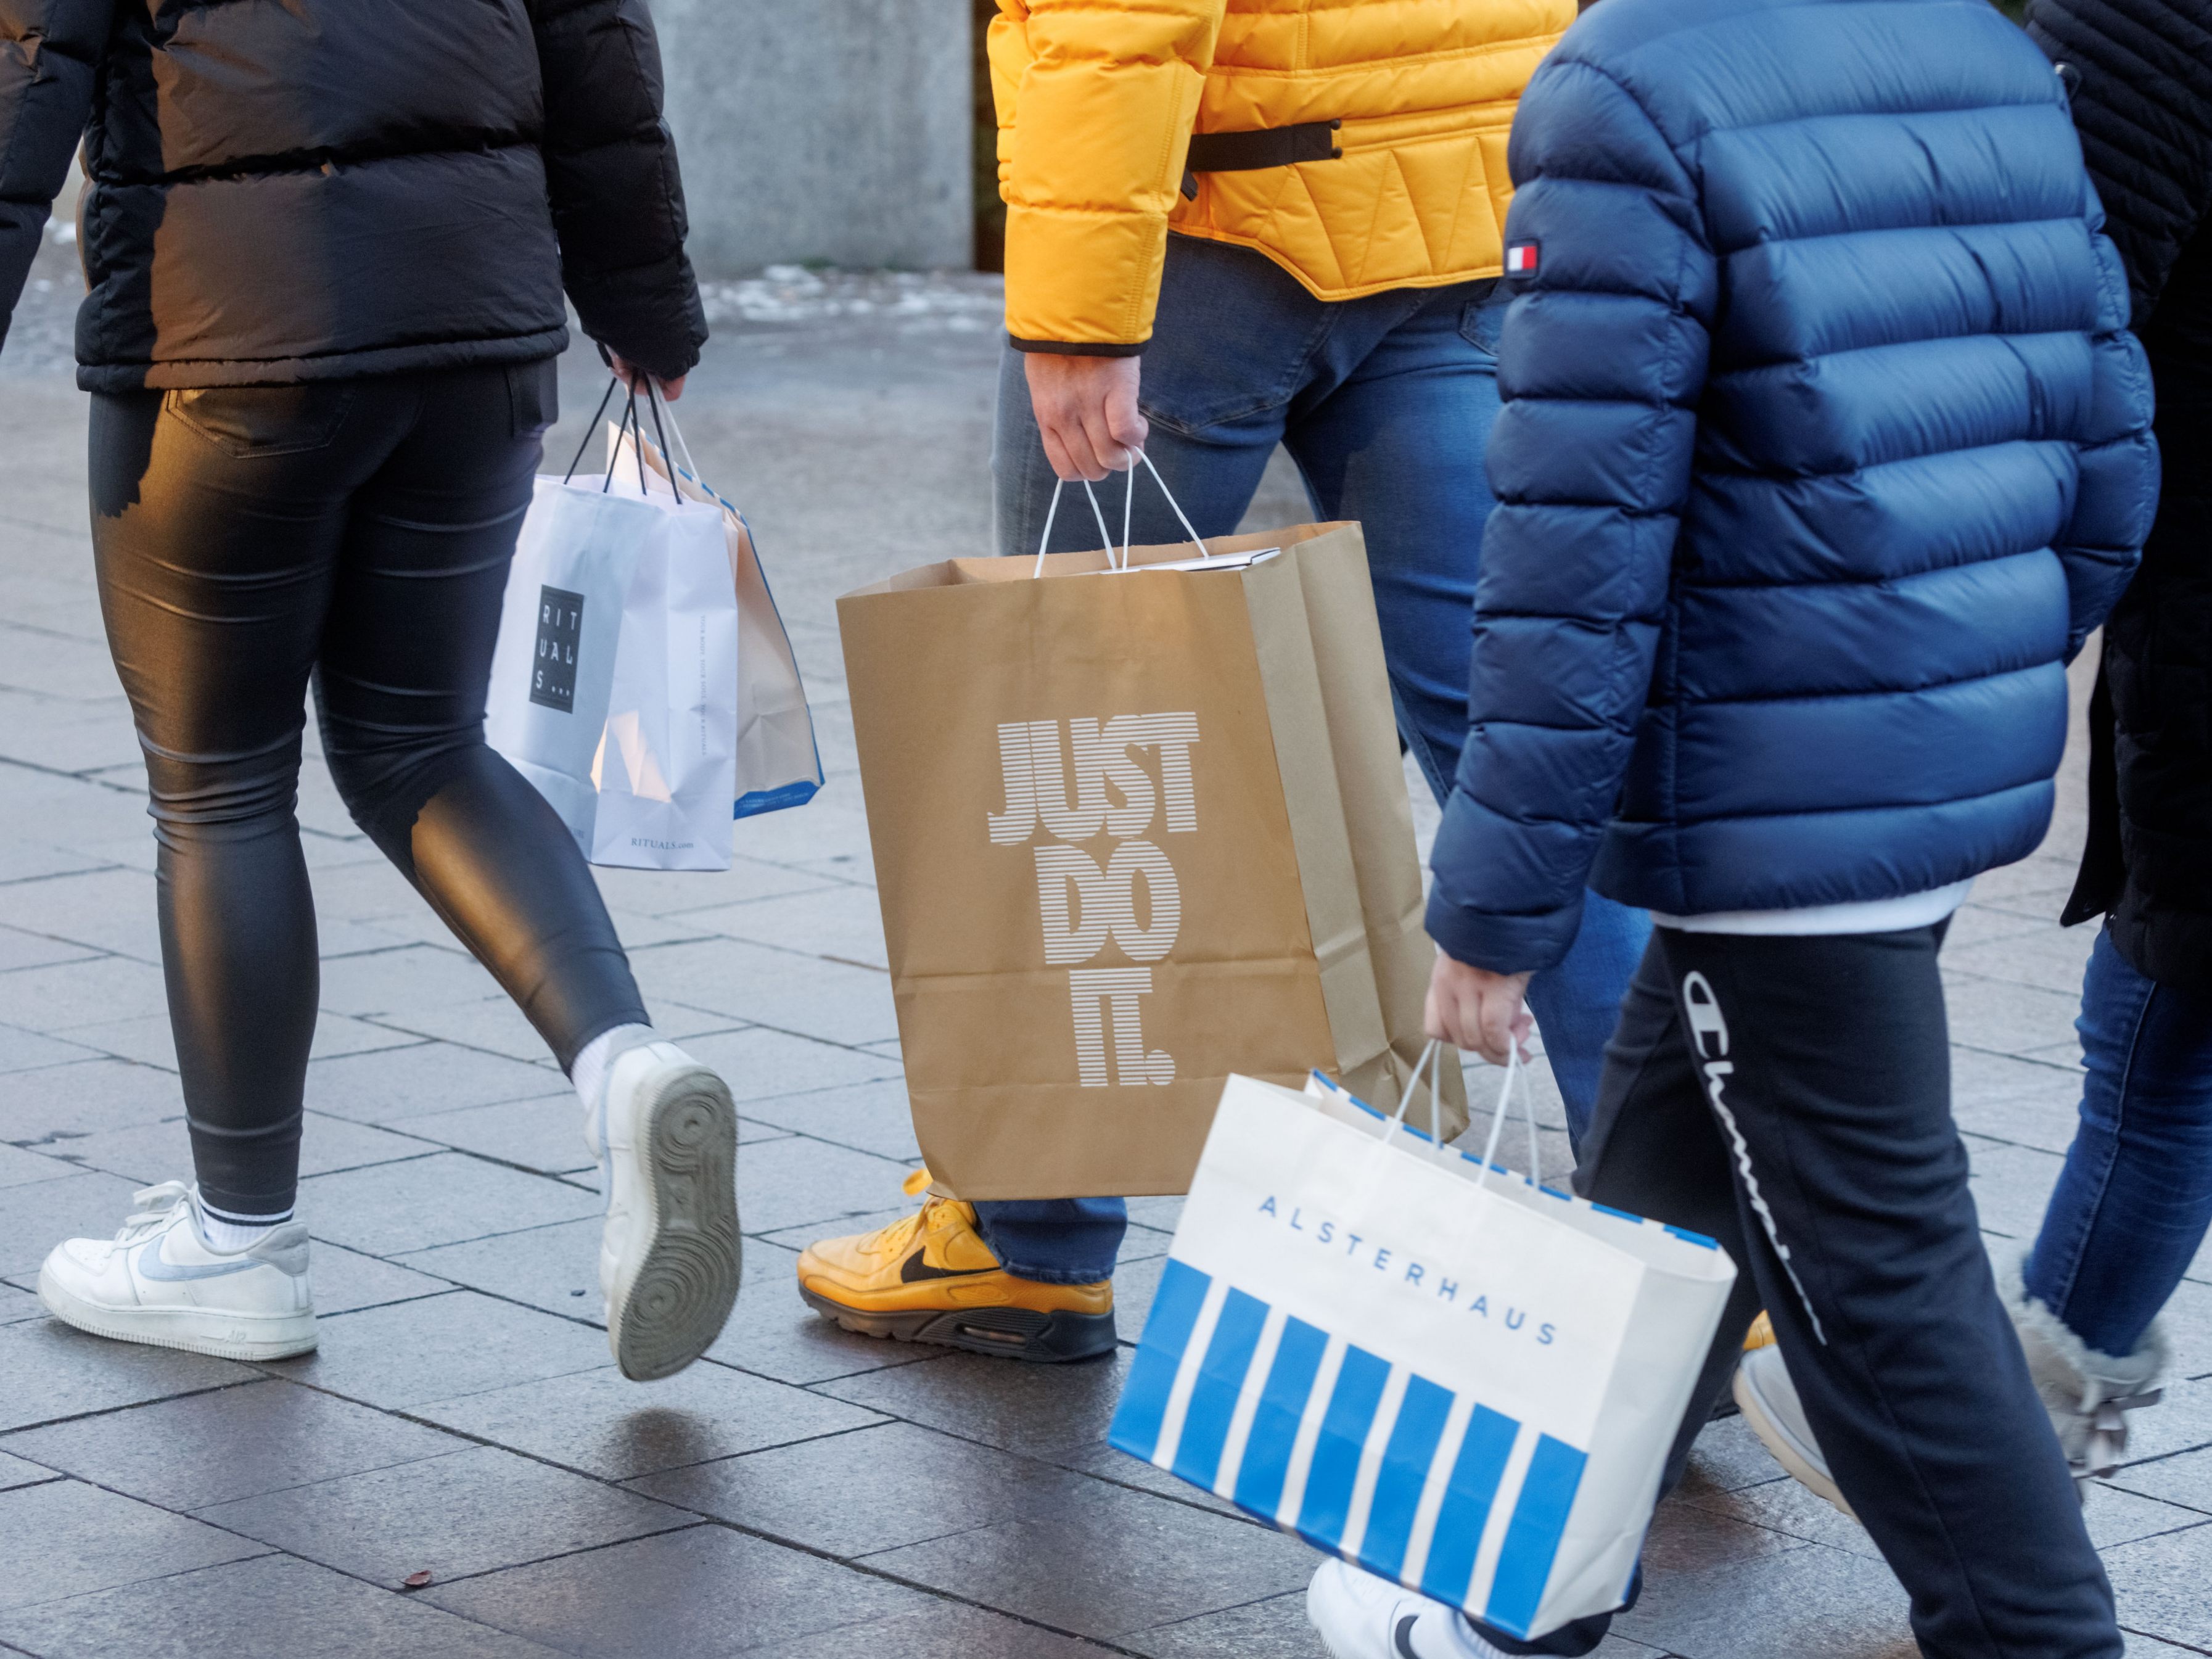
2134	1199
326	243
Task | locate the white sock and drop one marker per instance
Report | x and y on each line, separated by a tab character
228	1232
596	1057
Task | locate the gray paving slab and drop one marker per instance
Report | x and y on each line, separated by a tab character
214	1448
601	1423
466	1512
2005	1017
17	1305
346	1281
555	1268
49	1371
1773	1604
18	949
423	1079
35	1217
64	1103
843	923
785	989
389	1208
2047	958
107	910
162	1150
1277	1626
148	1038
440	1347
1105	1560
65	1537
544	1135
877	1489
760	1064
21	1472
702	1593
404	977
942	1631
269	1605
30	1051
19	1167
797	1182
2160	1584
772	1332
96	990
1037	1410
872	1117
694	894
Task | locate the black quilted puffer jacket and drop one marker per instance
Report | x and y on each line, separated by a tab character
2142	103
297	190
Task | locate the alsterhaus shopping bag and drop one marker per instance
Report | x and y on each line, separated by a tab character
1134	830
778	763
1418	1361
614	680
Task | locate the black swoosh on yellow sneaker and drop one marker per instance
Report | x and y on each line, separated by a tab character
916	1270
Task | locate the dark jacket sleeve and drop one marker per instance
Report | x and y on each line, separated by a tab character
2142	103
611	167
2118	497
49	55
1601	363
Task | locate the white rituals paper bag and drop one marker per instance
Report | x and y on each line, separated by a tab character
614	682
778	762
1467	1387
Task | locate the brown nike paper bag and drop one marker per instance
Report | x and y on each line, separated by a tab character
1135	830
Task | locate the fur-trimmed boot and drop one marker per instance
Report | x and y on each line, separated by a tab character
2088	1394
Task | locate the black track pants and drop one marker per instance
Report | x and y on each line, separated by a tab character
1793	1095
355	533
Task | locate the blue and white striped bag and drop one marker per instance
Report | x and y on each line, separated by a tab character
1418	1360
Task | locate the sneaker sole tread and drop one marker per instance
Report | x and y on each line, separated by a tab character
674	1297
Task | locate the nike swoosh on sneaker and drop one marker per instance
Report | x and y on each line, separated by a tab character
152	1264
916	1270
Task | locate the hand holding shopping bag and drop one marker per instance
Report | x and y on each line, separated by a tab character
1417	1361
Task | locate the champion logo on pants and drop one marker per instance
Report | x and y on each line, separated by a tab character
1702	1010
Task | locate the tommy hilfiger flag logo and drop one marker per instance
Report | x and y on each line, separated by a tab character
1521	259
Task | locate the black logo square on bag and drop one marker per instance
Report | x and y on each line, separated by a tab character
560	628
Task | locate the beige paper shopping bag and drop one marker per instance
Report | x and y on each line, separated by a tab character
1134	830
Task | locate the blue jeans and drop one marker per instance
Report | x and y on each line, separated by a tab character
2135	1197
1386	403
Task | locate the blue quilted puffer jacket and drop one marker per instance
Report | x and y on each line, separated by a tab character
1825	447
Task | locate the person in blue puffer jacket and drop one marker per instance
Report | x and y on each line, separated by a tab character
1824	448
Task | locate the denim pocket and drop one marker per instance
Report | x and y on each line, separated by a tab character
246	422
1481	323
533	395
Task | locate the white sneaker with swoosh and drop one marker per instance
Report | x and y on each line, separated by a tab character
1360	1616
159	1281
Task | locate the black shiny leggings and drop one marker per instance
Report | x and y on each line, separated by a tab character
355	533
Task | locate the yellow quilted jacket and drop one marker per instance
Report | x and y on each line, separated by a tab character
1096	101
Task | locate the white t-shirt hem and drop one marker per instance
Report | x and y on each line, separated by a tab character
1888	915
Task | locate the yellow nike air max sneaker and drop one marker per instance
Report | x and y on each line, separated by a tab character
931	1277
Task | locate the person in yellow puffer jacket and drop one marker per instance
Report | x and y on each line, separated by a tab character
1232	224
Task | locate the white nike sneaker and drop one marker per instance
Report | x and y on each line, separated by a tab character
1768	1399
160	1281
665	1134
1360	1616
